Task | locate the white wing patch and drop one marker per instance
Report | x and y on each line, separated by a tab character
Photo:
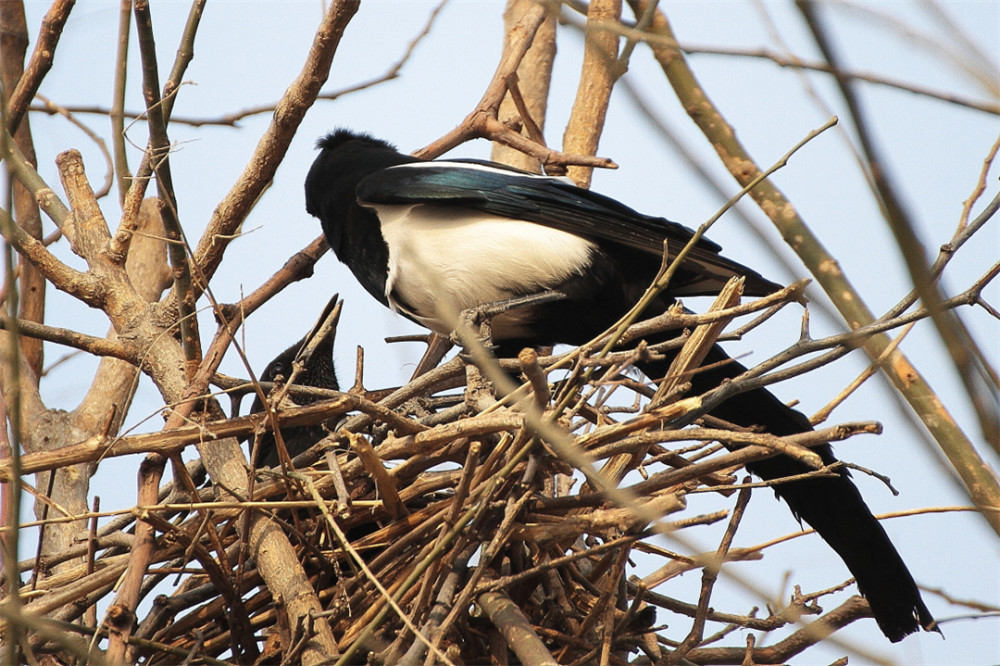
443	259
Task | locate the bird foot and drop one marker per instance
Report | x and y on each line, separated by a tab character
480	317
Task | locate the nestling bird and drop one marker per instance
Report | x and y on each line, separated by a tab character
419	233
319	372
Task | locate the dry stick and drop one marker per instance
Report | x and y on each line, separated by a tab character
121	614
117	111
603	603
516	629
64	336
618	599
794	62
92	135
24	171
677	318
343	495
50	631
11	498
790	445
709	575
40	63
415	654
65	591
31	282
90	618
978	189
524	108
238	618
159	149
512	579
697	346
824	471
383	482
216	572
983	487
815	632
132	199
748	454
528	358
483	122
465	482
775	621
243	642
593	95
824	413
190	593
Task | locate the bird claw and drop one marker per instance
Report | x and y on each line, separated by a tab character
481	316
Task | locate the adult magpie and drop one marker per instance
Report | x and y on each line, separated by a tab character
420	233
319	372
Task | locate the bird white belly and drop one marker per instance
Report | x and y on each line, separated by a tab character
442	259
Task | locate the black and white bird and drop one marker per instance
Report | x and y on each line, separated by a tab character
417	234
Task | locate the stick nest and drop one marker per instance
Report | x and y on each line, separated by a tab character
507	530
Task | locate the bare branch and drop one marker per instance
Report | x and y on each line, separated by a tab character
40	63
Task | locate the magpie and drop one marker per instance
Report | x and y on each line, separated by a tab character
319	372
419	233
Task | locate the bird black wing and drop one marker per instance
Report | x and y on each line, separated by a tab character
487	187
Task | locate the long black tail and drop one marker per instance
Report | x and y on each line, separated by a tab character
830	505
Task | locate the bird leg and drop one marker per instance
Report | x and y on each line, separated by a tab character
481	316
